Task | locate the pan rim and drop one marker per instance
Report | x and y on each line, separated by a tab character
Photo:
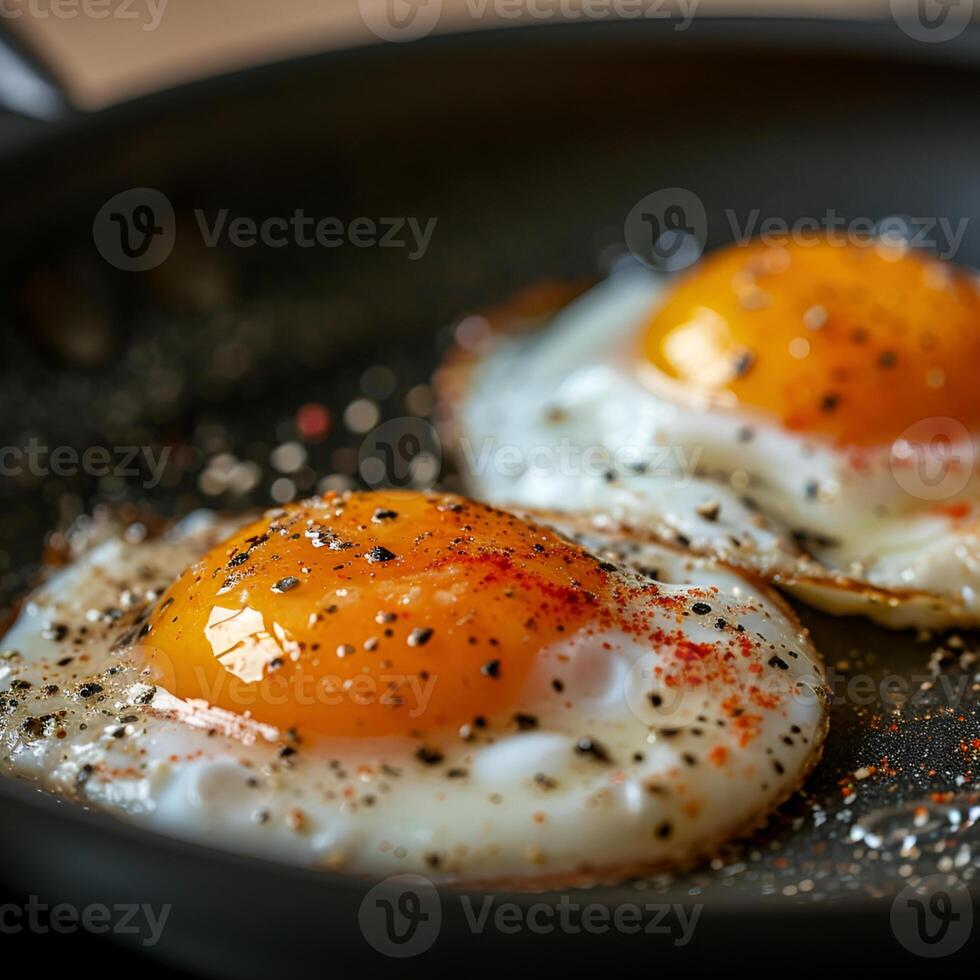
819	37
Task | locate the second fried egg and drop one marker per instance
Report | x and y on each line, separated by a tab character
806	411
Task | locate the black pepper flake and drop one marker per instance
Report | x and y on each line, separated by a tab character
655	699
491	668
420	636
65	661
20	685
777	661
525	722
589	746
829	403
84	774
37	727
286	584
700	608
381	515
558	685
379	553
457	773
238	559
286	751
87	690
431	757
607	566
744	363
545	781
664	830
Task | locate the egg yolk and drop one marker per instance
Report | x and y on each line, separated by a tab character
852	342
369	615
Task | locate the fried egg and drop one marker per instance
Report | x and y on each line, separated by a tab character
398	682
806	411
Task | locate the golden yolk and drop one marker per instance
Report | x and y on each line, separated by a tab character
368	614
852	342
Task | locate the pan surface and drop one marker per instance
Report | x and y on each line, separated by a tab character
529	148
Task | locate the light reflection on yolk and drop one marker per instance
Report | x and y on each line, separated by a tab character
373	615
853	342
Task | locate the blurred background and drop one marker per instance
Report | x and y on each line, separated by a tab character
120	51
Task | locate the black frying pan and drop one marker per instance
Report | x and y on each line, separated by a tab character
530	146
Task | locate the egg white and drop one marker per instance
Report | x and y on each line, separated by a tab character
568	416
656	786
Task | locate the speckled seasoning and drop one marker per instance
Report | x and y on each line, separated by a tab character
482	660
891	800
